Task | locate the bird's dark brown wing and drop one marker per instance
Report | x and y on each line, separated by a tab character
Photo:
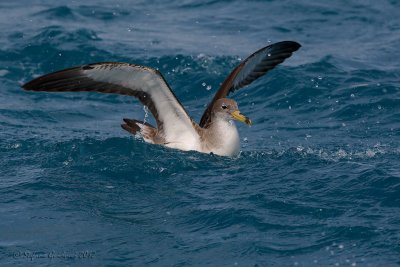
253	67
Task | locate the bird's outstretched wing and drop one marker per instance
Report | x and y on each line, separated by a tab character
146	84
251	69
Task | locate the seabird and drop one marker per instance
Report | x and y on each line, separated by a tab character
216	133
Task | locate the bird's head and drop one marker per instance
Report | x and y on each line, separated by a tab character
228	109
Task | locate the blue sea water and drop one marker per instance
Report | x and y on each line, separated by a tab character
317	182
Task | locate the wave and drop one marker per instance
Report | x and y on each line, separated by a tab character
114	153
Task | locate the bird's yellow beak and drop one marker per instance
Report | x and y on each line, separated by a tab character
238	116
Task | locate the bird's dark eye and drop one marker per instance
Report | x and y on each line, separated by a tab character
224	106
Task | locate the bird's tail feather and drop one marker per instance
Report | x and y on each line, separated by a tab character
139	127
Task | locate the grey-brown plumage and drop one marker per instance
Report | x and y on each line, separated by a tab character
175	128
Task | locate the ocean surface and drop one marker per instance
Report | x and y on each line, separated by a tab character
317	182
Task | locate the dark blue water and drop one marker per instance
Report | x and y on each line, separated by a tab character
317	182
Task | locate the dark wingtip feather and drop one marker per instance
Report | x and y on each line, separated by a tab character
295	45
40	83
28	86
291	46
32	85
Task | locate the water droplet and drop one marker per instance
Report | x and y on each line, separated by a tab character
290	107
352	95
379	107
208	87
343	124
245	140
341	246
309	100
146	113
269	54
204	84
319	78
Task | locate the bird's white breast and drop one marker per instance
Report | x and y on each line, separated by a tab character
225	138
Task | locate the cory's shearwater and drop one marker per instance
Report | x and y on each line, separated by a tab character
216	133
